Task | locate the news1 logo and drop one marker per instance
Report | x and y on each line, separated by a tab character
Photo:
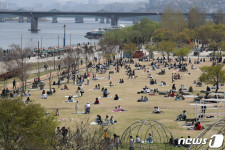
215	141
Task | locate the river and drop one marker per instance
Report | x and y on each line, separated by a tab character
12	31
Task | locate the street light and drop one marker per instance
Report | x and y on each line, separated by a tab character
64	38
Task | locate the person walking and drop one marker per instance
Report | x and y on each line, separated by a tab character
14	84
131	144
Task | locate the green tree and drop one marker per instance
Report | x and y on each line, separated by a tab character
163	34
182	52
25	126
196	18
213	75
166	47
129	49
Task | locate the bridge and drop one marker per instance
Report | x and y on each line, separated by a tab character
35	15
114	16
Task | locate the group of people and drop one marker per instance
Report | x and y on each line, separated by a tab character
118	109
107	120
143	99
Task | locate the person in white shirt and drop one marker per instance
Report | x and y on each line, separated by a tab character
138	140
87	108
107	119
131	143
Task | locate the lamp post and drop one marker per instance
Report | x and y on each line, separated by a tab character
64	38
38	62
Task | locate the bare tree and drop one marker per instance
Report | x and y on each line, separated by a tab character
87	51
68	62
16	62
75	55
85	138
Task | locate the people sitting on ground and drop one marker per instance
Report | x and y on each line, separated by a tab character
149	139
120	108
156	110
99	119
182	88
143	99
70	98
105	92
110	84
44	95
28	100
179	97
121	81
107	119
97	101
150	76
27	93
66	87
11	95
153	81
97	87
116	97
111	120
182	117
198	126
163	71
87	108
138	140
163	83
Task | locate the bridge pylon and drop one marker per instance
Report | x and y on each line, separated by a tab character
34	24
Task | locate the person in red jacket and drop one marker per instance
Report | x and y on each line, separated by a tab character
198	126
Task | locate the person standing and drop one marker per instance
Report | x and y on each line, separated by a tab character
172	78
117	142
76	107
14	84
131	144
88	81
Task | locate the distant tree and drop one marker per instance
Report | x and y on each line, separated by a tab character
182	52
166	47
163	34
75	58
203	34
151	48
182	38
146	28
219	17
25	126
1	53
16	62
88	51
196	18
173	20
213	75
129	49
68	61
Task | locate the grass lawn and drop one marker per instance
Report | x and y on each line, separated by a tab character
127	92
